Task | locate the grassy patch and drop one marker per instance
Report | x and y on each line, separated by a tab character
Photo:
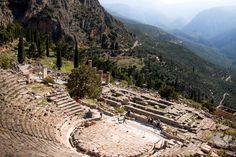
90	101
6	59
120	110
126	61
50	62
67	66
207	135
37	89
231	132
42	102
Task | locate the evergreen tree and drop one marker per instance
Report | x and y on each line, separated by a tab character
47	47
32	36
36	36
116	46
83	82
59	60
39	47
112	47
76	56
28	35
32	50
21	55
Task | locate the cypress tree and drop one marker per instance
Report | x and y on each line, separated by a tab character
47	47
40	52
32	36
59	61
76	55
21	55
36	37
116	46
32	50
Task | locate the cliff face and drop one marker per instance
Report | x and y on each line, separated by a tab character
6	16
62	19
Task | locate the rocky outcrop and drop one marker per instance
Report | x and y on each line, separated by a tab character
62	19
6	16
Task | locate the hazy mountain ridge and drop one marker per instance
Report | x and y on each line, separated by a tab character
147	16
212	22
226	42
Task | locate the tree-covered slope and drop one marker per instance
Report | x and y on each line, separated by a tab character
226	42
169	60
205	49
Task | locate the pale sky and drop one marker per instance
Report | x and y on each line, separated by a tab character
174	8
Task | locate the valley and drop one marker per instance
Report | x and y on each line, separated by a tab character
78	80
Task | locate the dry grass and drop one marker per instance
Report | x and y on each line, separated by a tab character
126	61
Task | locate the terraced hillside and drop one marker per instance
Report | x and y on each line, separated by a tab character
31	125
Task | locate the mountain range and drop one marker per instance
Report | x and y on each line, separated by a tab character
217	26
210	23
146	16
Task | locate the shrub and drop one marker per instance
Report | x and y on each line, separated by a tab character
48	80
6	60
168	92
120	110
83	82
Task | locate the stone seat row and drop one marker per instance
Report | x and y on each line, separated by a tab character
68	106
27	127
190	150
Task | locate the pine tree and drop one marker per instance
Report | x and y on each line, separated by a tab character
76	55
36	36
28	35
59	61
32	50
116	46
21	55
39	47
47	47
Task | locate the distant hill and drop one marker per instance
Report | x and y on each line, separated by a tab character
143	15
204	48
212	22
180	61
149	17
226	42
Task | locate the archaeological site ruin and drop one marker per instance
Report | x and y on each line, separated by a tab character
39	120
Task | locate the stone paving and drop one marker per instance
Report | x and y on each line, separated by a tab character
178	121
112	139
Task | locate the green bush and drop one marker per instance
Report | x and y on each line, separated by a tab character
120	110
208	106
5	36
83	82
168	92
48	80
5	60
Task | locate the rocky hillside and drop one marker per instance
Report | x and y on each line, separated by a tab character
62	19
5	14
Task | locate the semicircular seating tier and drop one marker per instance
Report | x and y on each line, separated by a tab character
29	129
